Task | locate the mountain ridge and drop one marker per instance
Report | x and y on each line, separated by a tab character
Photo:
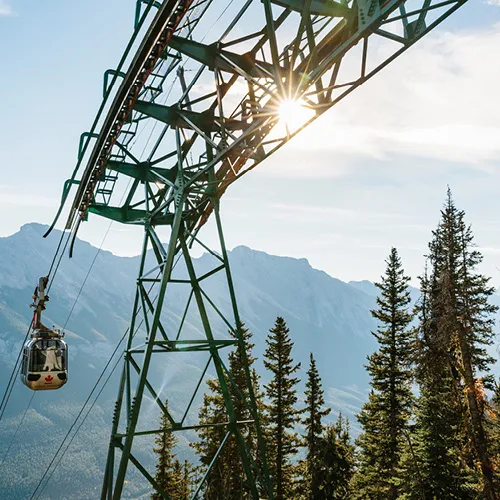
325	316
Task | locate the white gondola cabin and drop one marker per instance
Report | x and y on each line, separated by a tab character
45	355
45	363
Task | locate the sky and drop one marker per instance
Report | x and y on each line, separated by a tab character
370	174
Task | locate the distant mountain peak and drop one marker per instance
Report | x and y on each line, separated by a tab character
243	250
34	226
365	286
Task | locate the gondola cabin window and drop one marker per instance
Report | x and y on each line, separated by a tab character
45	363
47	355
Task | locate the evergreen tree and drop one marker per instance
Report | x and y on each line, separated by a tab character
281	413
227	480
456	327
313	413
335	462
493	415
171	474
442	460
384	418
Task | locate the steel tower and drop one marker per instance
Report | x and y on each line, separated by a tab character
194	104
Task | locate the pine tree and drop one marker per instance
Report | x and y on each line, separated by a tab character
227	480
281	413
170	473
456	327
440	458
335	462
212	411
384	418
313	413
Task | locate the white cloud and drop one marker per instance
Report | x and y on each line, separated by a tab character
5	9
438	100
493	2
295	210
26	199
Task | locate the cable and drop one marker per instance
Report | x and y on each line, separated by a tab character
87	275
217	20
17	365
54	267
55	255
15	370
78	428
85	404
54	458
77	417
10	384
61	255
17	429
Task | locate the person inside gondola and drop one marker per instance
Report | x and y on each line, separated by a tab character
37	359
52	360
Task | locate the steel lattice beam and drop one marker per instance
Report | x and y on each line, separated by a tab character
197	108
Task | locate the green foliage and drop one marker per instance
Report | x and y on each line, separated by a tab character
313	413
493	426
335	462
282	416
442	466
172	476
384	418
455	329
227	479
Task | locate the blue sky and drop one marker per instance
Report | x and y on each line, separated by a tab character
370	174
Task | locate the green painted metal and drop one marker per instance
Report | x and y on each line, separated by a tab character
317	7
175	117
213	57
128	215
106	84
122	441
197	108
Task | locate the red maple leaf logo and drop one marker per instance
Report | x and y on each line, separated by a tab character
48	378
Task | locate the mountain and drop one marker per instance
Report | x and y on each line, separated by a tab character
325	315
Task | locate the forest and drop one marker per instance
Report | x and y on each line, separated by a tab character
429	430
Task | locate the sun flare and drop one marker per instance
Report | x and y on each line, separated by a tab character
294	113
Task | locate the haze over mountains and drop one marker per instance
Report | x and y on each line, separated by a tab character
326	316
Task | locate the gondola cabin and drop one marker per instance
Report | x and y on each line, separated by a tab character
45	363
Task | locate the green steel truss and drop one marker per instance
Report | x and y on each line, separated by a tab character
192	106
160	340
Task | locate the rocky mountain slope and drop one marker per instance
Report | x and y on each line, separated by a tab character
325	315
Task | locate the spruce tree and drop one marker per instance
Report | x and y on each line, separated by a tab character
442	461
281	413
227	480
384	418
456	328
170	472
335	462
313	413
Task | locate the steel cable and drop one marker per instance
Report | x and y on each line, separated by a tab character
10	384
87	400
76	419
17	429
85	404
54	267
79	426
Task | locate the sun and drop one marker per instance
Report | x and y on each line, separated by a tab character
294	113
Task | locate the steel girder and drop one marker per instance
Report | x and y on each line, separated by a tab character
154	338
242	63
196	109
